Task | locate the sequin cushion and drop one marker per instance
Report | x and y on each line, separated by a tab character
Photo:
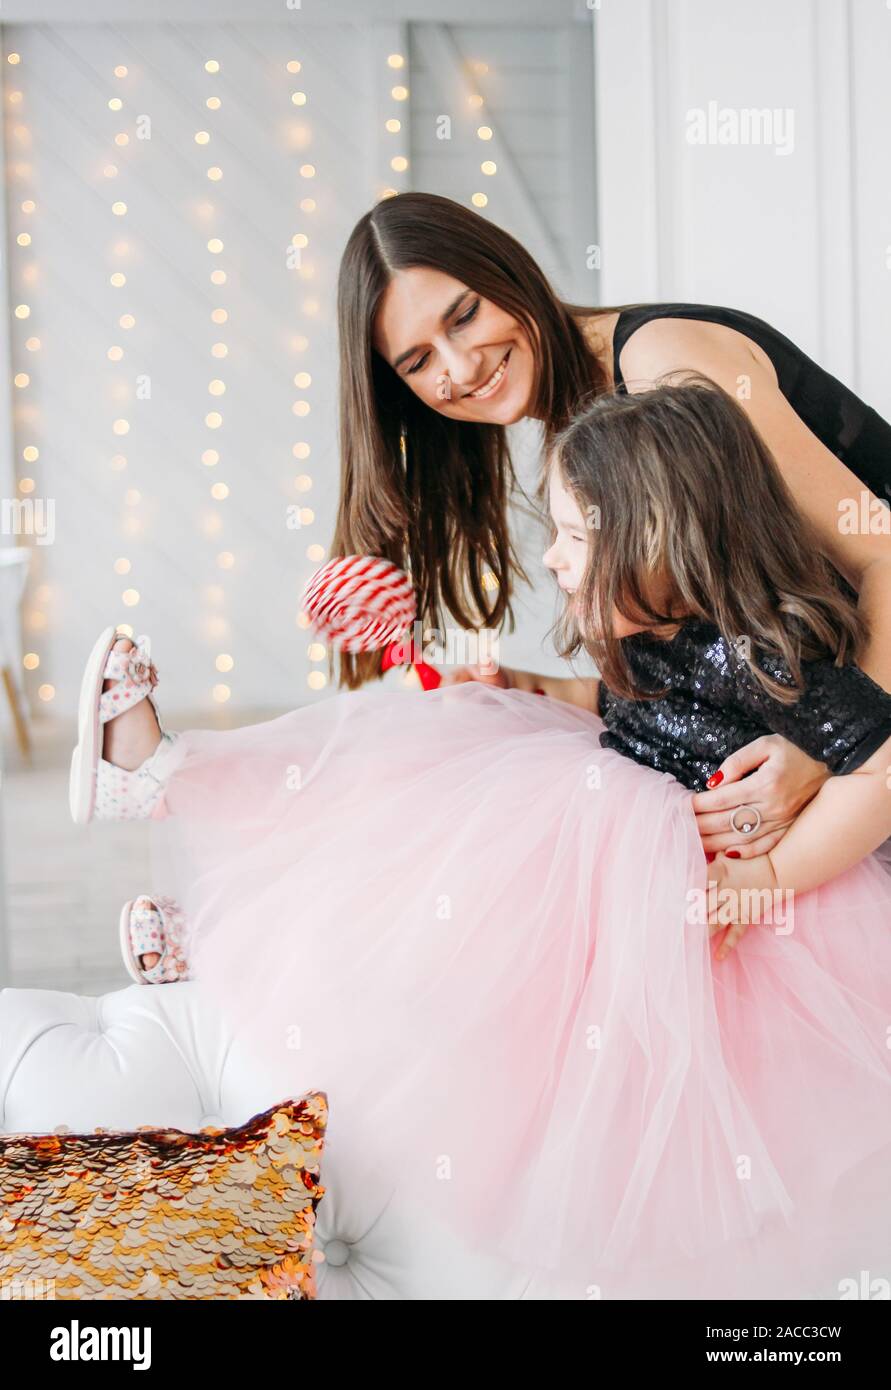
164	1214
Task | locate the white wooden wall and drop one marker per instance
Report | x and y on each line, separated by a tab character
218	578
802	239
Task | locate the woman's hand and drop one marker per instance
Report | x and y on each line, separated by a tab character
770	774
736	898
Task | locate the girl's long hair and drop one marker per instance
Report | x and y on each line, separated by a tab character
427	492
681	495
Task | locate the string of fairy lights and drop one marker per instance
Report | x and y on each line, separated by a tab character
213	522
26	415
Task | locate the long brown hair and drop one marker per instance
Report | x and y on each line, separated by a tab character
681	493
427	492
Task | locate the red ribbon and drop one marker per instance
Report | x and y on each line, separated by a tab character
402	653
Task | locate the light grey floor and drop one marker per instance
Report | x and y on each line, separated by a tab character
66	883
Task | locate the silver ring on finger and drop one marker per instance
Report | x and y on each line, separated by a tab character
749	820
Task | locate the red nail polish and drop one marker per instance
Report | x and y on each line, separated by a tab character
709	858
715	780
734	854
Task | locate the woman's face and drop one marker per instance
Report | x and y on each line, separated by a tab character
568	556
457	351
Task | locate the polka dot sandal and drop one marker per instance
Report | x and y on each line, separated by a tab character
98	790
154	925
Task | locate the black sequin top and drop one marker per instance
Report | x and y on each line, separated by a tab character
714	705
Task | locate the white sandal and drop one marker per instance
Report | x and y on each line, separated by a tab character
154	925
98	790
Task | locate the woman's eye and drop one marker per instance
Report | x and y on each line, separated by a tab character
465	318
577	537
421	362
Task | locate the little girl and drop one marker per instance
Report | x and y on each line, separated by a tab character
483	920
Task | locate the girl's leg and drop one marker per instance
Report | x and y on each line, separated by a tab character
133	736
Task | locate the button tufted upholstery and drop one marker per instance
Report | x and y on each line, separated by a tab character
160	1055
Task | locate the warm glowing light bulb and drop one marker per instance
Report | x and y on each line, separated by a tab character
293	65
119	462
115	354
21	379
217	387
224	662
31	454
120	70
28	205
301	407
225	559
475	100
110	171
307	516
303	379
215	246
122	138
22	311
210	458
301	451
399	163
24	238
316	651
399	93
308	205
213	420
219	315
32	344
30	661
46	692
396	60
14	58
315	552
219	492
316	680
26	484
221	693
213	103
488	166
121	427
115	104
307	171
130	597
298	98
211	65
479	200
303	482
118	279
119	209
485	132
122	566
393	126
219	350
202	137
126	321
215	173
299	239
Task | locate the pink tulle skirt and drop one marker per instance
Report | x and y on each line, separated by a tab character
483	936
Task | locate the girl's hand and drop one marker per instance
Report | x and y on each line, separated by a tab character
735	887
770	774
499	676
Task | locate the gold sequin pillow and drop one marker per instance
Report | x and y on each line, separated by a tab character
161	1213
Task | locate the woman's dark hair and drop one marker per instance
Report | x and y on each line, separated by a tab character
425	491
681	495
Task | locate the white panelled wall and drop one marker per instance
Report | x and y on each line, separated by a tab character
797	231
177	356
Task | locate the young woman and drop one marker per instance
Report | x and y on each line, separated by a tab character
481	920
449	332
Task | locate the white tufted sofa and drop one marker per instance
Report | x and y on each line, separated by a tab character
159	1055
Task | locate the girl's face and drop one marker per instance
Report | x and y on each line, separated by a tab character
457	351
568	556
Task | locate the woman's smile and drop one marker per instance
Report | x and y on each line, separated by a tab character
489	387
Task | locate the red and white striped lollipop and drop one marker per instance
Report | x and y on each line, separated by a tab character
360	603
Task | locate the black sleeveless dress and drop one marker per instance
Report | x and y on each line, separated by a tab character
855	433
713	705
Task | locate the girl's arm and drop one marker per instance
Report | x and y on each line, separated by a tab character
848	818
575	690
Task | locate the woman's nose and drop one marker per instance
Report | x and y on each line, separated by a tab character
462	365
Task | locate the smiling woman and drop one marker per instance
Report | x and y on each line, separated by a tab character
449	332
